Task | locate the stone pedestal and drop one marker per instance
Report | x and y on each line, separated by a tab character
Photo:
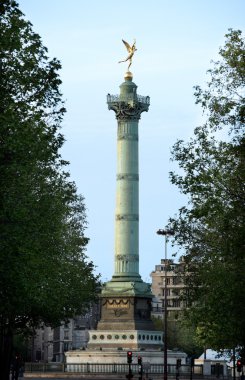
125	321
111	356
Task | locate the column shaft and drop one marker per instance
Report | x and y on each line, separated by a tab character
127	200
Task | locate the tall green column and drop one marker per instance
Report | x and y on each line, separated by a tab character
125	301
128	107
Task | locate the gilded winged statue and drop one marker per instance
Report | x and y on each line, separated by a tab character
131	50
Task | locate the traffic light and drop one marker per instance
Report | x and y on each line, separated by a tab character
178	363
129	357
139	360
239	365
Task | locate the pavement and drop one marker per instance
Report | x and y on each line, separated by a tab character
68	376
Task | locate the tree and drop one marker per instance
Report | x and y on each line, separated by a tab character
211	227
180	336
44	272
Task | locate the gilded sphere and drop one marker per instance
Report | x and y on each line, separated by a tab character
128	75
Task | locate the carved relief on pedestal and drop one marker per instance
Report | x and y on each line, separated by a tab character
118	313
119	306
117	303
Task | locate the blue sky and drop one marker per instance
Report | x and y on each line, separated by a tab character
176	40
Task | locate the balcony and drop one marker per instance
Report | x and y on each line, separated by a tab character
128	99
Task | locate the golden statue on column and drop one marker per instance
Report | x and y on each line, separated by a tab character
131	50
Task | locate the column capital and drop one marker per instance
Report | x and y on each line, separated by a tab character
127	110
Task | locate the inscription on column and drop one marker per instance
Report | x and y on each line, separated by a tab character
129	217
128	176
131	257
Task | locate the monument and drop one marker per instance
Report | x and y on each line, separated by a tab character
126	300
125	322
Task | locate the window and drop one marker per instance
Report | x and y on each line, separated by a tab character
176	303
66	347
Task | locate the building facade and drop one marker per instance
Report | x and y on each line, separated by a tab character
50	345
173	274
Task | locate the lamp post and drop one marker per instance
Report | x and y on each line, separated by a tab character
165	233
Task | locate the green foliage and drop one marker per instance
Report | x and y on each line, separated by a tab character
211	228
21	346
180	336
44	272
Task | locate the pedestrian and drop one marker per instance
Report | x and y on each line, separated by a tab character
16	365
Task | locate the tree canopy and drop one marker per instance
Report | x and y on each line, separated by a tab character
211	227
180	336
44	272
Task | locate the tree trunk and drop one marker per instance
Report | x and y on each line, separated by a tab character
6	341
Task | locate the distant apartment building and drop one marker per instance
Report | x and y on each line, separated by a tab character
51	344
40	345
71	335
174	288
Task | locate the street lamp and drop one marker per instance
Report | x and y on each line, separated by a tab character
165	233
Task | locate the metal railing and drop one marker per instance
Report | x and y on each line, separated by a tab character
45	367
130	98
112	368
